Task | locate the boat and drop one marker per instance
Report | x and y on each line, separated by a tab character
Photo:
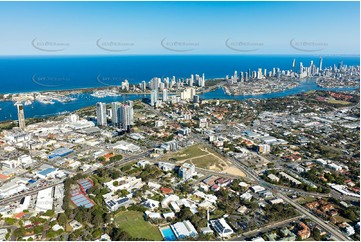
28	102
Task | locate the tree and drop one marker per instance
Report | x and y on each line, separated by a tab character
49	213
98	220
185	214
10	221
115	174
116	158
79	217
19	232
101	159
119	235
316	234
107	217
51	234
62	219
38	229
97	233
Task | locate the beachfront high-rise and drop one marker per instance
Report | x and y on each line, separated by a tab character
165	95
21	116
153	97
101	114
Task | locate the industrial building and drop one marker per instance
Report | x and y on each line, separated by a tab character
61	152
44	200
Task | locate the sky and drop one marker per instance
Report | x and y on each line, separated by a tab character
136	28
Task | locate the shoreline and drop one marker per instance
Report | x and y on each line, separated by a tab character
59	114
92	89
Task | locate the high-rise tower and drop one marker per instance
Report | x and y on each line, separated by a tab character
21	116
101	114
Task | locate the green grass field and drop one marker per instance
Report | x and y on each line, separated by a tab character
188	153
338	102
340	219
207	162
134	224
304	200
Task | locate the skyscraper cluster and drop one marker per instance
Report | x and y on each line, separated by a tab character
312	70
122	114
160	88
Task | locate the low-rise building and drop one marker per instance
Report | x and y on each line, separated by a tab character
151	204
184	229
273	178
276	201
114	203
304	231
187	171
48	172
11	188
221	227
166	166
290	178
124	183
44	200
143	163
75	225
257	189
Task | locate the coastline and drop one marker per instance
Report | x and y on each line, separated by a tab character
37	110
93	89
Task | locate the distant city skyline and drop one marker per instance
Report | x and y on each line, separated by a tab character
171	28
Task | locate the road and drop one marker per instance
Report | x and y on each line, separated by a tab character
335	232
36	190
338	235
266	228
254	176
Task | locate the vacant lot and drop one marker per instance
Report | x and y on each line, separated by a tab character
189	153
210	162
307	199
134	224
340	219
204	157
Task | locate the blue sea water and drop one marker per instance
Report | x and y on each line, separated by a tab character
39	73
26	74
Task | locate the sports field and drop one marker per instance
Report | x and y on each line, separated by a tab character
339	102
134	224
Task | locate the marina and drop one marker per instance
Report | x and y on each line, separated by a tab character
41	108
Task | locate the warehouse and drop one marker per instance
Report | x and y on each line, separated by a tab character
48	172
44	201
61	152
12	188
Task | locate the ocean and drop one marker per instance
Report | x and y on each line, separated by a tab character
40	73
28	74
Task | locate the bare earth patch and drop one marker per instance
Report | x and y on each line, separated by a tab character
204	158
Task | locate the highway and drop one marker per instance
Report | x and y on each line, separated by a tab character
338	235
266	228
